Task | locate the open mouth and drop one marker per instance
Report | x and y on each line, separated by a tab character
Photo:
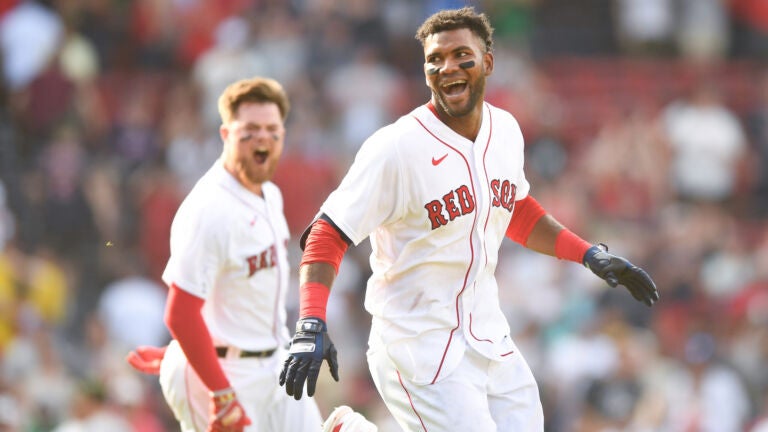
260	156
454	88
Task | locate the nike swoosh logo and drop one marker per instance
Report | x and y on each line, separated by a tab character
436	162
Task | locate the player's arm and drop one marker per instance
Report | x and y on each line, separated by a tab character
324	245
534	228
185	322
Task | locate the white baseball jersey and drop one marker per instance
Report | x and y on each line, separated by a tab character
228	246
436	207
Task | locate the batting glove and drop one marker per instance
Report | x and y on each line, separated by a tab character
227	415
616	270
146	359
311	345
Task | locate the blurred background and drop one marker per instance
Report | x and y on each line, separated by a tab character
646	127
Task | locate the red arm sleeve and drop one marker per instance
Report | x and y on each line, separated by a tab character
569	246
527	212
324	244
185	322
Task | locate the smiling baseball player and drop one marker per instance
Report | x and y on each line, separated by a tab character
437	192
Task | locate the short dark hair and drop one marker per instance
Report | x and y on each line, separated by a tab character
453	19
256	89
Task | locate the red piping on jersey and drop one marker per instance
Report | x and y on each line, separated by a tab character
410	401
279	270
473	333
471	247
485	169
487	216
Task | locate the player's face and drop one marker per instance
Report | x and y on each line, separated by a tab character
457	87
253	143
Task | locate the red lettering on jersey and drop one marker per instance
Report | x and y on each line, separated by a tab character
505	189
435	214
495	185
503	194
461	196
265	259
466	201
450	205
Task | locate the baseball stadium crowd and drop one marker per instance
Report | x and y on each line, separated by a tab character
646	127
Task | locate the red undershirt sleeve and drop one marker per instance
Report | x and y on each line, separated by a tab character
569	246
186	324
323	244
527	212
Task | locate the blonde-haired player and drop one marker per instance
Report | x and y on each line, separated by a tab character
228	277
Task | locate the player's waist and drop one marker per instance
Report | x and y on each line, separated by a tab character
230	352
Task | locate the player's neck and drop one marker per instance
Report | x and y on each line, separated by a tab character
467	125
241	178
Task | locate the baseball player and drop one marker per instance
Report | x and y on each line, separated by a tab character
227	278
437	191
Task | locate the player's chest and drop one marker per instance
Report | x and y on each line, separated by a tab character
455	180
258	240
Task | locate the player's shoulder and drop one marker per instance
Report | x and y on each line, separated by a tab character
401	130
395	130
205	200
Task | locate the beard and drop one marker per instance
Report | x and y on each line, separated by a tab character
476	92
257	173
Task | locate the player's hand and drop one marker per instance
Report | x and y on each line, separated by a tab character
146	359
310	346
227	415
618	271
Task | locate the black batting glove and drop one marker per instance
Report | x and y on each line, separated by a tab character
616	270
311	345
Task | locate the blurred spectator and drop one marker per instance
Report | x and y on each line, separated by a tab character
707	141
135	138
624	159
230	58
29	38
645	27
130	296
278	38
728	268
757	126
624	398
91	412
705	394
33	364
363	107
703	30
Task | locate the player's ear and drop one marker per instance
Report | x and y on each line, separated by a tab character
223	132
488	63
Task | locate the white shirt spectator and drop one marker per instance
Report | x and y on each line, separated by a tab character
30	35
